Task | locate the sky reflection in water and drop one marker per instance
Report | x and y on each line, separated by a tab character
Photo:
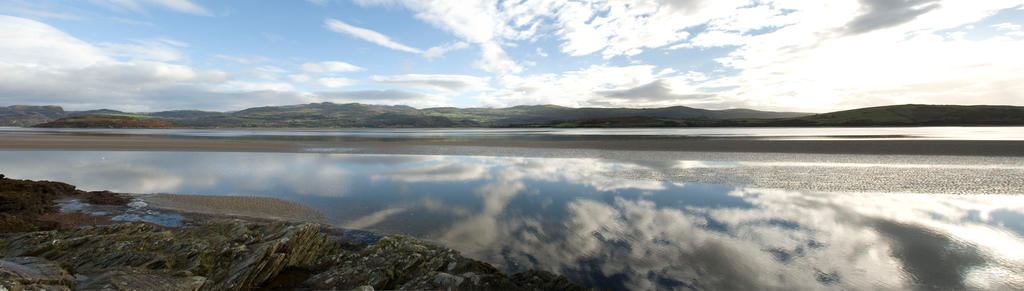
581	218
805	133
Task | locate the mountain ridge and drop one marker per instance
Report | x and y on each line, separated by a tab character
891	115
326	114
356	115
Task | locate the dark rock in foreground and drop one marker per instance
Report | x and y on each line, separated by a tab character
24	202
231	255
243	255
216	253
398	262
30	273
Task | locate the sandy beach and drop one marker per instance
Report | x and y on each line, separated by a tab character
180	143
234	206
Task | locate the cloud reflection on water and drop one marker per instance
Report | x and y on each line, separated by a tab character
789	240
600	223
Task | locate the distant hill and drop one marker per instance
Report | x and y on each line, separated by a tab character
21	115
895	115
327	115
916	114
97	112
107	121
331	115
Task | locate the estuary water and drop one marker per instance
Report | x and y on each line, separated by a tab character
622	219
842	133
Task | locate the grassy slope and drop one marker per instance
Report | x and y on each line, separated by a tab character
19	115
896	115
915	114
361	115
326	115
107	121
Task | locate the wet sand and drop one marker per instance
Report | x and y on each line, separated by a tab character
234	206
752	145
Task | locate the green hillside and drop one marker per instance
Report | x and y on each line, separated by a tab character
896	115
318	115
916	114
331	115
107	121
21	115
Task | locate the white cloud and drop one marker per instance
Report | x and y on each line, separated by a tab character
790	55
715	38
42	65
154	50
244	60
440	50
32	43
381	97
385	41
333	82
780	54
257	86
265	73
329	67
368	35
1006	26
184	6
597	86
477	22
449	83
38	9
816	64
299	78
1009	28
493	59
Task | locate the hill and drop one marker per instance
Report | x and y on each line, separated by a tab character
916	114
21	115
895	115
107	121
331	115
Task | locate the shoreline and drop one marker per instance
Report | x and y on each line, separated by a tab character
242	207
999	148
218	250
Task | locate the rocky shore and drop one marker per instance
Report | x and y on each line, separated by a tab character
44	248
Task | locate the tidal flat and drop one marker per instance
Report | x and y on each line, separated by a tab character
836	209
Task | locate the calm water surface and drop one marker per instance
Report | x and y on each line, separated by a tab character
814	133
611	223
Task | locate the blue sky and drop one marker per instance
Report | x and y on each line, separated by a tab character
144	55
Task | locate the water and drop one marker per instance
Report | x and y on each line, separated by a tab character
634	220
808	133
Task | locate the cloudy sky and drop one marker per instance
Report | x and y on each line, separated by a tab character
800	55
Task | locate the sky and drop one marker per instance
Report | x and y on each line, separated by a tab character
787	55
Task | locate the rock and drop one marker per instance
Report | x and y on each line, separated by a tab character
12	223
448	281
226	254
243	255
543	281
399	262
138	204
26	199
105	198
231	254
142	280
23	201
31	273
